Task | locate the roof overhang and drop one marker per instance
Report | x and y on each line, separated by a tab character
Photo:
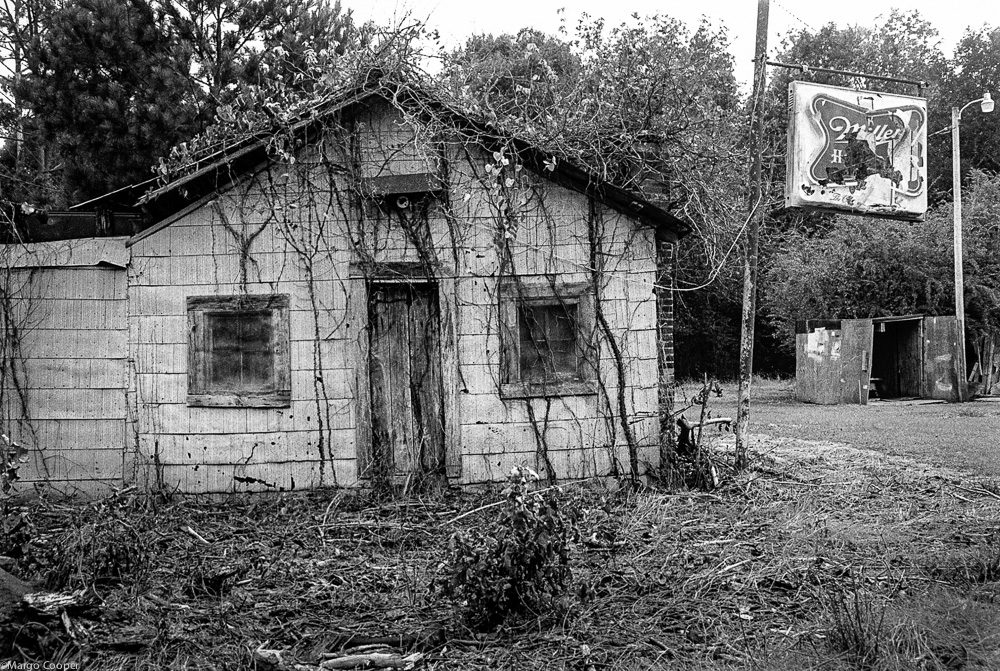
218	171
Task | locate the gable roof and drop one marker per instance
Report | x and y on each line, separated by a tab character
164	204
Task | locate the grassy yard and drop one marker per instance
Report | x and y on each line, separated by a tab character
961	436
854	542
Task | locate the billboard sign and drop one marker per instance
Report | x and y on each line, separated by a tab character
856	151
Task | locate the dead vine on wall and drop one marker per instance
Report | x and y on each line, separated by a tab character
317	202
17	310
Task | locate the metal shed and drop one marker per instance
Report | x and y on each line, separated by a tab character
852	360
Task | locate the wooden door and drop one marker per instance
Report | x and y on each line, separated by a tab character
941	359
857	357
407	413
818	364
911	357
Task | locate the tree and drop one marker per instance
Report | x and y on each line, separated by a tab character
315	28
107	92
519	76
22	158
112	86
651	106
229	40
974	68
866	267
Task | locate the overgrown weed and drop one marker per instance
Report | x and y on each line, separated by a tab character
939	629
100	544
856	626
517	564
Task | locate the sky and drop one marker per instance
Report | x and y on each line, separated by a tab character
458	19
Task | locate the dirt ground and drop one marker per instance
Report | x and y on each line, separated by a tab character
823	555
960	436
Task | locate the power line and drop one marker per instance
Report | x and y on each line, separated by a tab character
787	11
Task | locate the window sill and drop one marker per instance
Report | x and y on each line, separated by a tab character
544	389
270	399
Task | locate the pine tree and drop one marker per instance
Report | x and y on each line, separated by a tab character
108	93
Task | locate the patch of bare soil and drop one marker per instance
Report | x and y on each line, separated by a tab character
820	556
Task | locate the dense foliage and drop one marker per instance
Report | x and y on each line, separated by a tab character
865	267
652	106
517	565
99	89
95	92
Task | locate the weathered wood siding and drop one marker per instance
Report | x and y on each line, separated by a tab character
582	434
818	365
241	243
71	315
303	231
941	362
856	364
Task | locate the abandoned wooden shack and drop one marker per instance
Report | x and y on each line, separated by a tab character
854	360
396	292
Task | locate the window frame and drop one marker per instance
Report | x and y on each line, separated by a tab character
200	391
512	297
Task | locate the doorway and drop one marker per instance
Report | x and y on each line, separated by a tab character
897	357
407	412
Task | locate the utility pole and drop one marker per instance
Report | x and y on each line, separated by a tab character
956	195
753	233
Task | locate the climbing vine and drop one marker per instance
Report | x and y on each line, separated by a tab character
481	223
16	309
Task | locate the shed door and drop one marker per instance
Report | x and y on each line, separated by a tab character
405	376
817	364
941	360
857	362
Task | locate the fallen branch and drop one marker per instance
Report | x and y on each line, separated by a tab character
378	660
276	660
983	492
195	535
716	420
422	641
51	603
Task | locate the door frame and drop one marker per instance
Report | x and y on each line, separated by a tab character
361	279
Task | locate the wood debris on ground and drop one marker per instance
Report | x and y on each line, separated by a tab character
327	580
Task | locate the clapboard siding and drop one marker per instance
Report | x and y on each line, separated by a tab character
196	256
75	368
110	344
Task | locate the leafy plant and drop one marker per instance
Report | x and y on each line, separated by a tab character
14	522
518	564
12	456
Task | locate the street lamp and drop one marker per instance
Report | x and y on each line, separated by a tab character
986	104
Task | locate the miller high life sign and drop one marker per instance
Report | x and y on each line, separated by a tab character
856	151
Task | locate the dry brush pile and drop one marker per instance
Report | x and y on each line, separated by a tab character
820	557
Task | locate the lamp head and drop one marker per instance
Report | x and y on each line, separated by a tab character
987	102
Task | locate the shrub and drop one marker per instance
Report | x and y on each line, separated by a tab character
518	564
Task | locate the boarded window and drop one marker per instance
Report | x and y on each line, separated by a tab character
546	336
548	344
238	353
